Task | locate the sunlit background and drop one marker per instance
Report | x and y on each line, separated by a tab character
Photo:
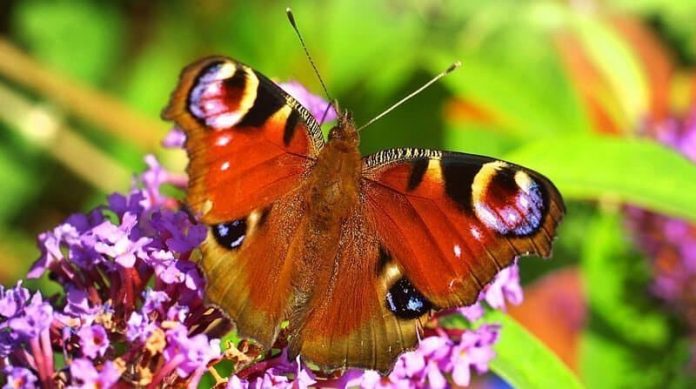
597	95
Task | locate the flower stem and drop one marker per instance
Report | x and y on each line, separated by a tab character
165	370
36	350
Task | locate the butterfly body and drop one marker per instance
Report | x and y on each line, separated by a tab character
333	186
353	252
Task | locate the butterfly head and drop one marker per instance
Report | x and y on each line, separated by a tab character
345	132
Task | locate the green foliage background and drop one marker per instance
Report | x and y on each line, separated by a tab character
371	54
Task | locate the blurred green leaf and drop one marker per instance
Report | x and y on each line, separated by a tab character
80	38
154	76
18	185
524	361
628	341
607	261
635	171
527	94
375	46
480	139
604	364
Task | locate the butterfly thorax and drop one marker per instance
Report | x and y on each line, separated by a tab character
334	181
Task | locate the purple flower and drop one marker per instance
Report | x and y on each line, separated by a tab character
93	340
154	301
473	312
177	231
19	378
139	328
121	204
174	139
13	300
50	244
122	243
188	356
178	272
304	378
35	318
317	106
124	271
473	351
85	375
670	242
436	362
235	382
153	178
505	287
77	304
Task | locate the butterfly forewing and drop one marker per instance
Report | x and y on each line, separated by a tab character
248	141
452	220
250	146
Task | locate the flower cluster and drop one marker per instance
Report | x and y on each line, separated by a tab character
131	299
671	242
132	310
439	359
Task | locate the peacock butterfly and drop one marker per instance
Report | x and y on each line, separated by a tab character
354	252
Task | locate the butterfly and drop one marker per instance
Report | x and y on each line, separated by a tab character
354	253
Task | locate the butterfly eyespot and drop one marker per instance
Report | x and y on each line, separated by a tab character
516	207
230	235
222	95
405	301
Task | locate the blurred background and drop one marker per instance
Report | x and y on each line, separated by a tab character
597	95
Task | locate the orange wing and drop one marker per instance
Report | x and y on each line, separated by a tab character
248	141
250	146
451	221
431	230
348	321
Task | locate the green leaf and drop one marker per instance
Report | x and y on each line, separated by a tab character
635	171
524	361
607	260
480	139
79	38
19	183
510	70
626	338
604	363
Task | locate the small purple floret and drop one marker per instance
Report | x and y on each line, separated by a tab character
93	340
19	378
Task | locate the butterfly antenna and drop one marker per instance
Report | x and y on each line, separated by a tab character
291	18
447	71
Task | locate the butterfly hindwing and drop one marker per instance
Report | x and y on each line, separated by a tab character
348	322
249	269
451	221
